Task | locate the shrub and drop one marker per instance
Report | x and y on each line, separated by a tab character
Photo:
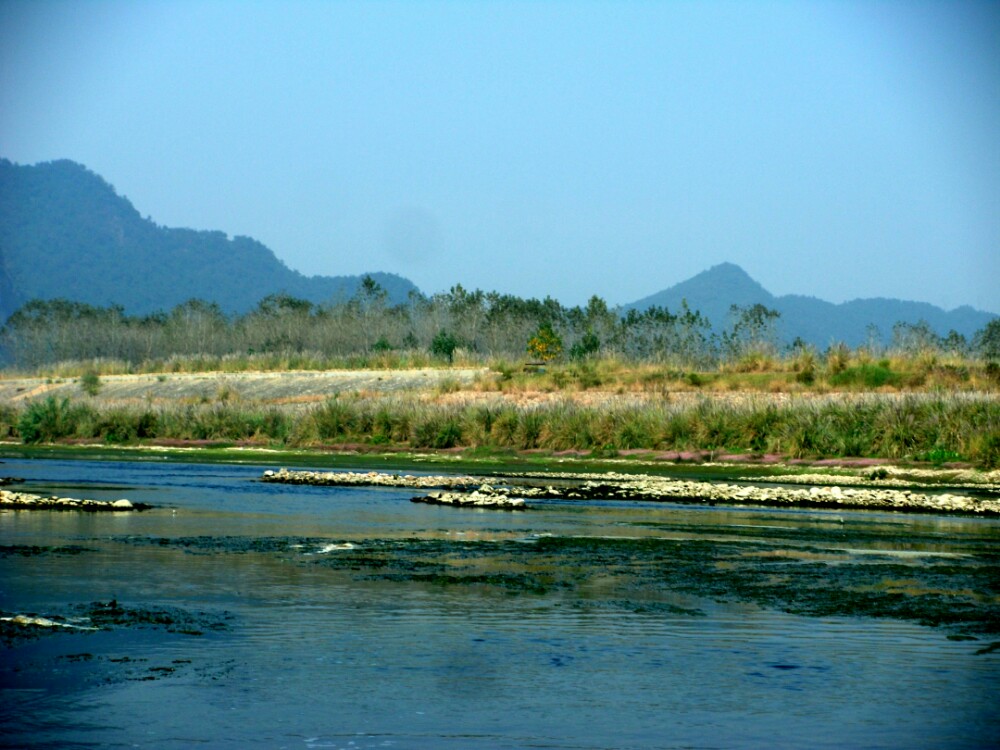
48	420
985	450
449	434
837	358
866	375
333	419
586	375
559	378
633	432
90	383
504	370
805	365
449	385
504	428
117	426
8	420
437	431
529	429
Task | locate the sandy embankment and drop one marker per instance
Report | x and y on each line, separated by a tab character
302	388
279	388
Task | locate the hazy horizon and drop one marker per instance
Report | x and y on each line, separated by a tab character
835	150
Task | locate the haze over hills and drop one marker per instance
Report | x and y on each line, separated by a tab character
821	323
65	232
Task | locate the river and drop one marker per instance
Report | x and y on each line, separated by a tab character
243	614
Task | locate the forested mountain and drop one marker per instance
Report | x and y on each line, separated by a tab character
821	323
66	233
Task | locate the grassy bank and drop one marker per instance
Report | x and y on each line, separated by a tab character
926	427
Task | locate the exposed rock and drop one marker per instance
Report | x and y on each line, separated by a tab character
41	622
476	499
28	501
657	488
369	479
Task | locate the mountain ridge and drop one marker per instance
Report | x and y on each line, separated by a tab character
65	232
809	318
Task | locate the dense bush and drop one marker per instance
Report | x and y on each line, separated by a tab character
866	375
51	419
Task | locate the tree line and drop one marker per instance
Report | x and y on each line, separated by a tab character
471	323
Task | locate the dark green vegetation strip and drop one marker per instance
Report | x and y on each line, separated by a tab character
911	427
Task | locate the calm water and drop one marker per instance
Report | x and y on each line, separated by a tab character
352	618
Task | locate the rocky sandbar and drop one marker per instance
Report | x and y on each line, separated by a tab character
478	492
29	501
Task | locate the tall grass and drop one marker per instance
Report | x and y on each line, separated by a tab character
928	427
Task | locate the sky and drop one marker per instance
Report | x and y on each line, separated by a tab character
840	150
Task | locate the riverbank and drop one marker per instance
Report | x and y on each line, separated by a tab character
935	428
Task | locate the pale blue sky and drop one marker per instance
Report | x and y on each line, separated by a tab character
835	149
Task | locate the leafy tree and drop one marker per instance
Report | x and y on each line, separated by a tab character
987	341
369	306
275	305
913	338
588	345
444	345
955	343
753	330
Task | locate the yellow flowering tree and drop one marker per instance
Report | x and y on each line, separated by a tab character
545	344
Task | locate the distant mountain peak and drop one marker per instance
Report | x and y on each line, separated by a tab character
728	269
713	291
729	272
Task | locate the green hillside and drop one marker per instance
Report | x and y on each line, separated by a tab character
65	232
